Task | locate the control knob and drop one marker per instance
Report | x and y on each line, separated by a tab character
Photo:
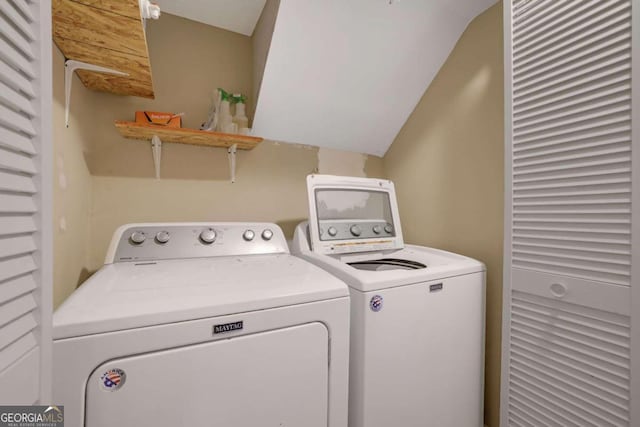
137	237
377	229
332	231
208	236
355	230
267	234
248	235
388	228
163	237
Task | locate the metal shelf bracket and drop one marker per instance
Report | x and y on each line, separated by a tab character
156	150
231	151
72	65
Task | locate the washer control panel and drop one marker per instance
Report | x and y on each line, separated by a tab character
151	242
354	229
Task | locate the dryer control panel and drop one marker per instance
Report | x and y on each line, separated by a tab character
152	242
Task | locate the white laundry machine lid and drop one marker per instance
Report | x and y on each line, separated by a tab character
132	295
163	273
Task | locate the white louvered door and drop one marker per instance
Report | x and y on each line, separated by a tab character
25	202
568	234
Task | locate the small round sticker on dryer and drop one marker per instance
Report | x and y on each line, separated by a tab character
113	379
376	303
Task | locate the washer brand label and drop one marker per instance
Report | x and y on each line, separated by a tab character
376	303
228	327
436	287
113	379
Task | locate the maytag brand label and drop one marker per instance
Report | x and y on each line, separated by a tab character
228	327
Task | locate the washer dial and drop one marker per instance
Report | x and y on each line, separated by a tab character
208	236
137	237
248	235
163	237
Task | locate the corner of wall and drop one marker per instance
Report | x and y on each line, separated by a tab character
72	186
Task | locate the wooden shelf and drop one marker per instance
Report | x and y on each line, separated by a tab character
146	132
108	33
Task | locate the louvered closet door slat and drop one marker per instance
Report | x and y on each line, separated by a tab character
567	351
10	31
17	225
23	7
25	154
16	141
586	83
16	120
553	127
16	100
21	21
550	24
552	358
545	14
17	161
17	246
14	288
16	79
16	350
523	10
574	66
9	55
558	52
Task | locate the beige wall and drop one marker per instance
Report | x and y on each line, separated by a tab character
108	178
71	184
270	186
189	60
447	165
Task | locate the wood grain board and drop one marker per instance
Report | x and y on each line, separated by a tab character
145	132
108	33
126	8
115	84
136	66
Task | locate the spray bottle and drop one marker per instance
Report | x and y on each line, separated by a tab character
225	121
240	119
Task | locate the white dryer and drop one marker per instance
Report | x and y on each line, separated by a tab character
203	324
417	313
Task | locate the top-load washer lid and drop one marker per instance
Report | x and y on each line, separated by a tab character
150	290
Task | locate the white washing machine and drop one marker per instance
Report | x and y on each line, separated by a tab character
417	313
203	325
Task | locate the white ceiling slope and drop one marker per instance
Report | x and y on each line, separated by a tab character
239	16
347	74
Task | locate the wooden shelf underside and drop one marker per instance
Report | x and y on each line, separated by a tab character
145	132
108	33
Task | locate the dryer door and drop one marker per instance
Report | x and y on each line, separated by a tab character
276	378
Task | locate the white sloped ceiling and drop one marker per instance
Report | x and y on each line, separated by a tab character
346	74
239	16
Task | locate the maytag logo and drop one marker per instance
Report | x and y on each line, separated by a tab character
228	327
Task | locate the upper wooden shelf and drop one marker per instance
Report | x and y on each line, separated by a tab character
108	33
186	136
